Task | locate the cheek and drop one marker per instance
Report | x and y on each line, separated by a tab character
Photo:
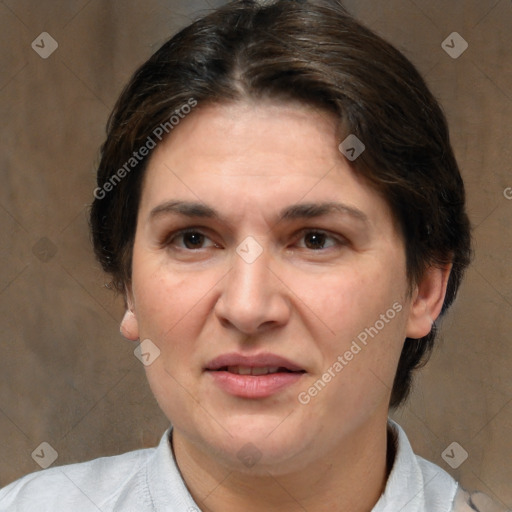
348	300
171	308
364	313
166	298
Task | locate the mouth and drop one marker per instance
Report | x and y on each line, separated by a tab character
256	364
256	370
257	376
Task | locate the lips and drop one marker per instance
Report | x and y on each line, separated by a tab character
266	360
257	376
253	370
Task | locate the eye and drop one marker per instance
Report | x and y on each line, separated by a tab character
192	238
315	239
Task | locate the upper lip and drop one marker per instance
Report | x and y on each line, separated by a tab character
253	361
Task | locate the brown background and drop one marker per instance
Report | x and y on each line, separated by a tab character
66	375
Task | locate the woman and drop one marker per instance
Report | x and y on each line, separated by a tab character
279	204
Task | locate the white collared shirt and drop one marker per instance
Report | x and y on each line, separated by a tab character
149	480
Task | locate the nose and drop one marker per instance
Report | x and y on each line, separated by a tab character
253	296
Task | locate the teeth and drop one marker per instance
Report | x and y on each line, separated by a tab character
265	370
241	370
247	370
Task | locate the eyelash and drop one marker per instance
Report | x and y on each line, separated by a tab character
168	241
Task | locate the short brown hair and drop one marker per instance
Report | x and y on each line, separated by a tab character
313	52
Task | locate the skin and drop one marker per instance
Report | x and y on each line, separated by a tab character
196	298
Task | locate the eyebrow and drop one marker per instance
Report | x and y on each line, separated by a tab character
295	211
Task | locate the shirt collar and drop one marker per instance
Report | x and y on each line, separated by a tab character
413	485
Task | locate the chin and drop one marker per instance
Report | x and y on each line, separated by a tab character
259	445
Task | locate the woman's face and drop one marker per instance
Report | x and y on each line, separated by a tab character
264	284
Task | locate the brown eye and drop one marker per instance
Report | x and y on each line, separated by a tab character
192	239
315	240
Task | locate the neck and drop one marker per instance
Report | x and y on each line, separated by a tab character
352	477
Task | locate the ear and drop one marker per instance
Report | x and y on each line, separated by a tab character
129	325
427	301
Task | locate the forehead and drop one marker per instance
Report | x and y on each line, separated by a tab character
242	155
234	134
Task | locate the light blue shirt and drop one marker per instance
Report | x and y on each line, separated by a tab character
149	480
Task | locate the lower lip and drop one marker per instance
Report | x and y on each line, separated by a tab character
254	386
